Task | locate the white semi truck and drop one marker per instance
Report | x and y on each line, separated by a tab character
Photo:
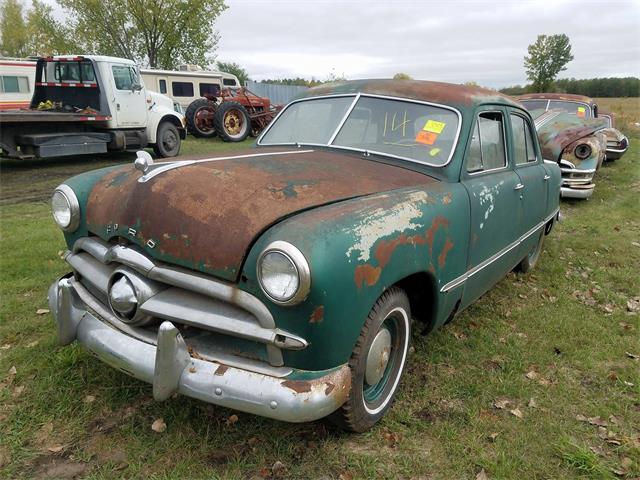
90	104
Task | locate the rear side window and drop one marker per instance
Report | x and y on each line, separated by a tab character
231	82
522	142
209	89
182	89
163	86
487	151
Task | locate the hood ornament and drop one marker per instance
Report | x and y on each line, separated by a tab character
143	161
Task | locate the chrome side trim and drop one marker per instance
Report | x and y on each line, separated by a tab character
165	167
470	273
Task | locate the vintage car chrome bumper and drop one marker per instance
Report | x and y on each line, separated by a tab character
169	367
577	183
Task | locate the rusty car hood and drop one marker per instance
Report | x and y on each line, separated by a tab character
205	215
557	130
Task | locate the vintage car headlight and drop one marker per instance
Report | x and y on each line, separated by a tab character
283	273
582	151
65	208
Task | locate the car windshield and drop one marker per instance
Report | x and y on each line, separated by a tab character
398	128
582	110
534	104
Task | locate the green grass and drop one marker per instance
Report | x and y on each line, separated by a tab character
551	322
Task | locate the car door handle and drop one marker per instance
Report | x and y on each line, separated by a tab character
519	186
547	177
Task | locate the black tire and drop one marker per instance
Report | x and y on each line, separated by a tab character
367	404
197	126
232	122
531	259
167	140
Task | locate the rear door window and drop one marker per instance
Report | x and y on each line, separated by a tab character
487	149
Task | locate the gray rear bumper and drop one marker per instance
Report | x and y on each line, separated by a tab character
168	366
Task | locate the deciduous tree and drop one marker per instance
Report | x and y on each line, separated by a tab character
547	57
13	30
234	69
159	33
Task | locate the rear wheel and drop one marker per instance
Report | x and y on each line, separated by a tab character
530	261
167	140
199	117
232	122
377	362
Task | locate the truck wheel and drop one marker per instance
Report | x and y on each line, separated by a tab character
167	140
199	117
528	262
377	362
232	122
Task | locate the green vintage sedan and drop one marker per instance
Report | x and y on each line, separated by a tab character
285	280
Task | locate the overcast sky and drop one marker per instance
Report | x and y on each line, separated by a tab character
453	41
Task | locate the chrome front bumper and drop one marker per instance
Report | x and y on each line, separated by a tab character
577	183
168	366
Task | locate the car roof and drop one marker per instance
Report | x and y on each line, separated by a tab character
556	96
454	95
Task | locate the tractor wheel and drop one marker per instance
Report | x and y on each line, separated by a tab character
199	116
232	122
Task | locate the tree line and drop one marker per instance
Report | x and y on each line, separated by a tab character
591	87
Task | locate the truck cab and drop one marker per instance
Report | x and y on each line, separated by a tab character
90	104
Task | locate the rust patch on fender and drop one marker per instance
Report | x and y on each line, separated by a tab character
367	275
317	315
446	199
386	247
437	223
329	389
442	258
298	386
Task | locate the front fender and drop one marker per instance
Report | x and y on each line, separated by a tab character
157	115
357	249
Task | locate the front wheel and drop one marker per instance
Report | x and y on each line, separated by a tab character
167	140
232	122
377	362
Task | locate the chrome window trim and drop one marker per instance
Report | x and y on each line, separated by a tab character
504	144
376	152
546	107
471	272
299	262
546	117
573	101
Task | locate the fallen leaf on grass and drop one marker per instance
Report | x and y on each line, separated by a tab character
459	335
532	403
613	376
516	412
632	355
13	371
633	305
608	308
392	439
18	391
232	420
42	311
493	436
532	375
56	449
501	403
278	469
159	425
598	421
32	344
6	346
522	296
482	475
89	399
635	244
598	451
628	384
625	325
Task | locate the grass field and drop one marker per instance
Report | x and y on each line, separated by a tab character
540	379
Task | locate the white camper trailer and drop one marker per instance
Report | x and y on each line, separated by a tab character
16	82
188	83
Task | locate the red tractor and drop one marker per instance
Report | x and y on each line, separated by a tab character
232	114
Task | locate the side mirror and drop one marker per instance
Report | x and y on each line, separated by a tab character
136	87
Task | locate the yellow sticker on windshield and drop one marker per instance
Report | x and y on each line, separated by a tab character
434	152
434	127
581	111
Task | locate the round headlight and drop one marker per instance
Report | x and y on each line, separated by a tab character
65	208
283	273
582	151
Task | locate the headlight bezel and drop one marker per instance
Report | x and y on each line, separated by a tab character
74	208
585	150
300	264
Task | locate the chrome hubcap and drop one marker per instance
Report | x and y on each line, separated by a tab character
378	357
